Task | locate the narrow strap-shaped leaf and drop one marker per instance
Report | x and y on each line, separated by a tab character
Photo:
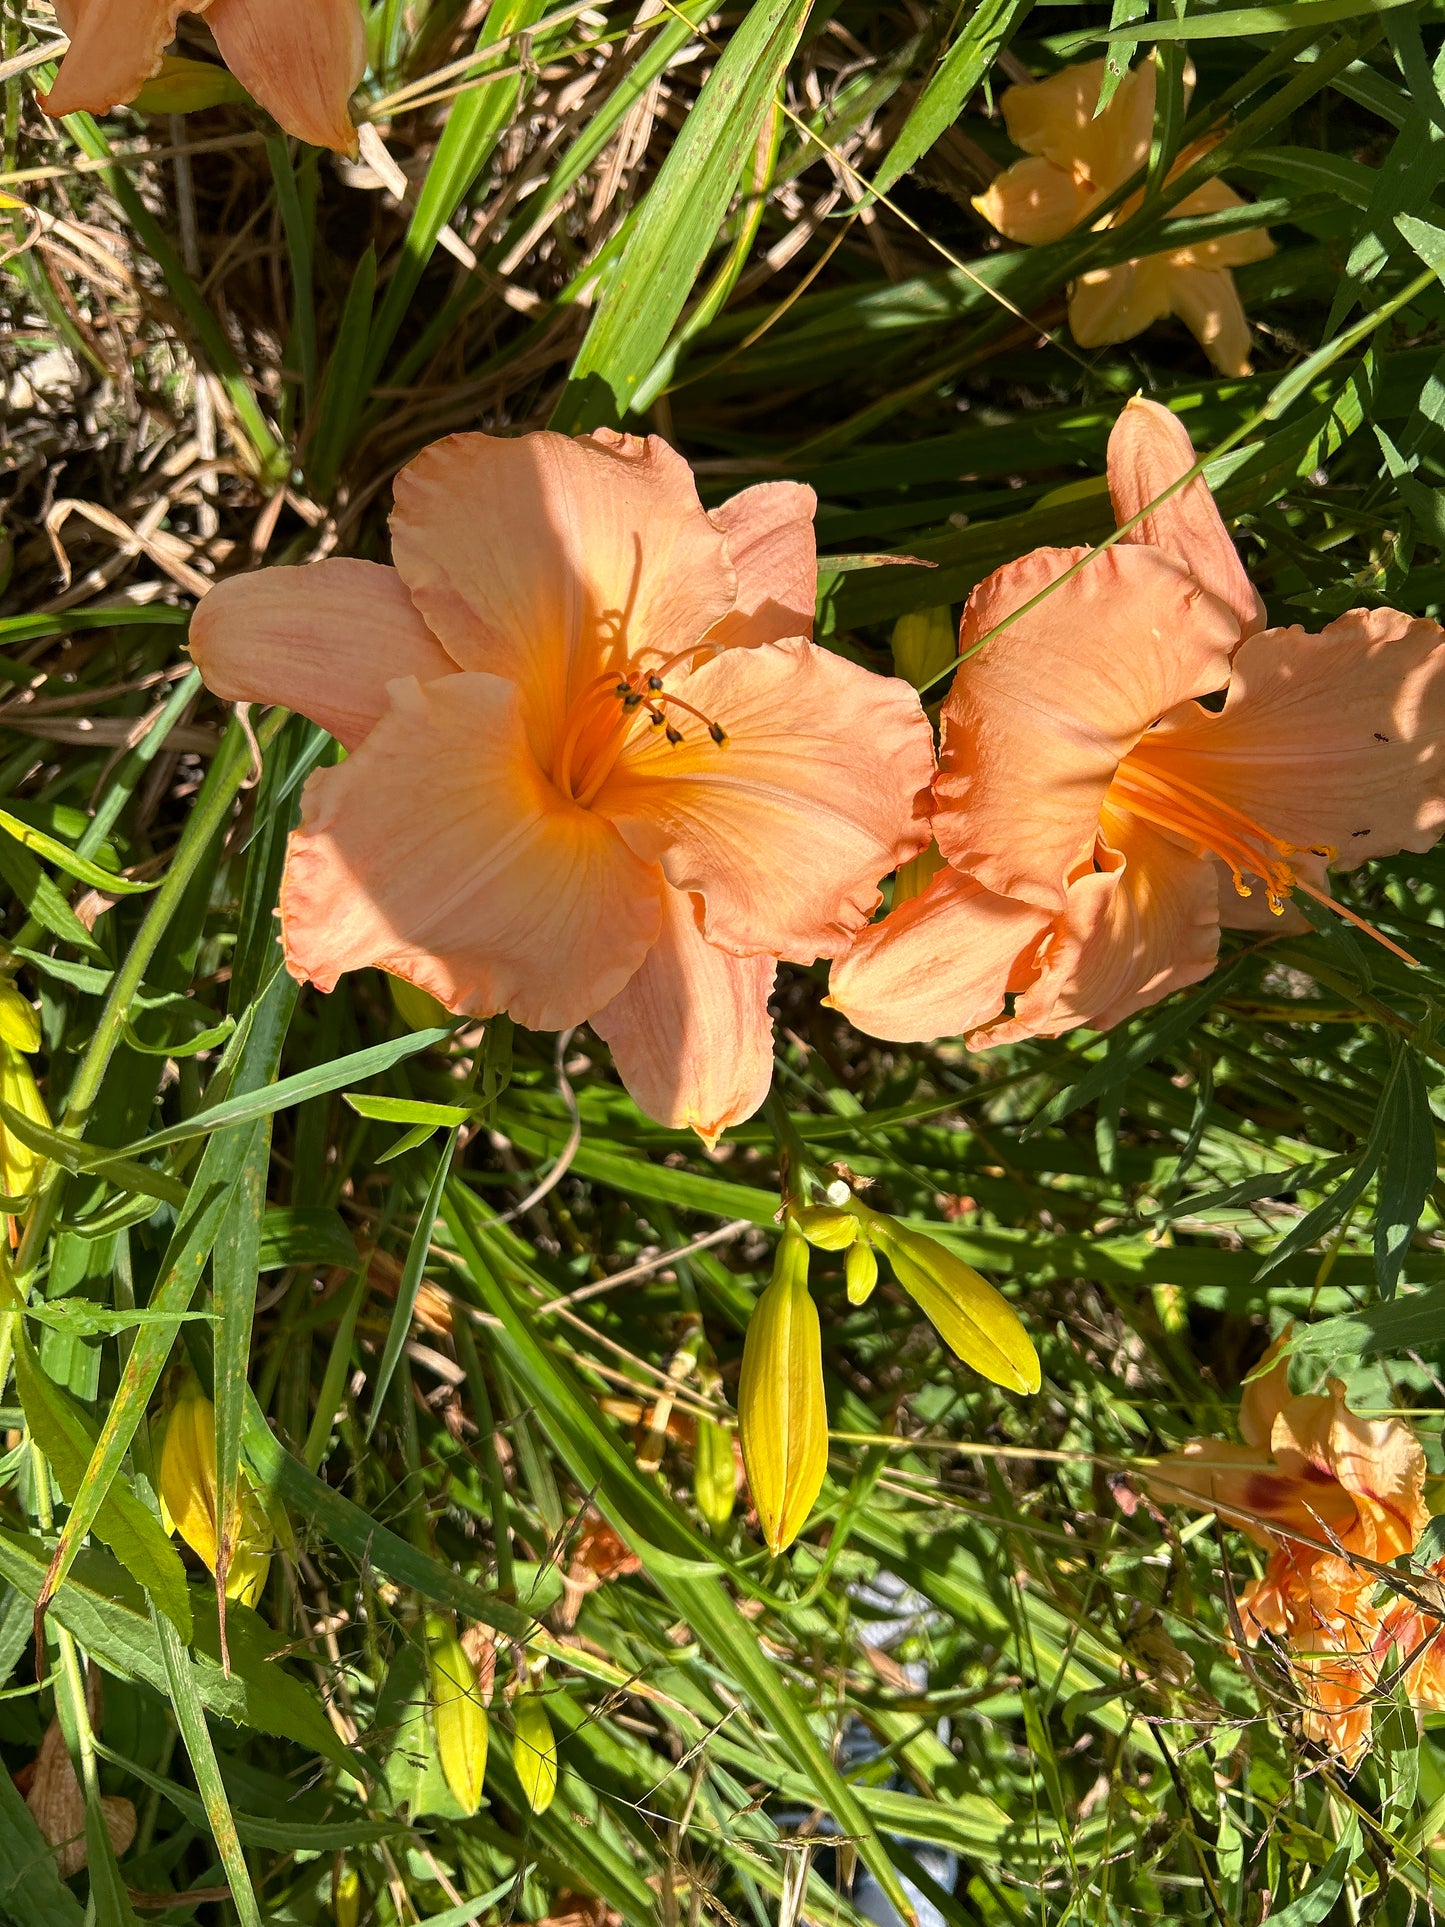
416	1257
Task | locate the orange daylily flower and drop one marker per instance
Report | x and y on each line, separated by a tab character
598	772
1099	822
1077	159
301	59
1353	1489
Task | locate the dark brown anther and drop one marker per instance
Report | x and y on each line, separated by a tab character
654	683
623	689
658	719
718	733
631	699
674	736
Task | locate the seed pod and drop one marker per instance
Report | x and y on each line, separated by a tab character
965	1310
782	1411
345	1896
825	1226
860	1268
20	1167
19	1020
188	1496
534	1751
714	1473
461	1722
925	642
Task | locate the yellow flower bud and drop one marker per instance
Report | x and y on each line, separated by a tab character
417	1008
188	1496
461	1719
827	1226
20	1167
861	1272
925	642
965	1310
346	1896
714	1473
19	1019
782	1412
534	1751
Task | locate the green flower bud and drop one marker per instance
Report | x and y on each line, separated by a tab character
861	1272
534	1751
461	1719
965	1310
924	642
827	1226
19	1020
782	1411
417	1008
346	1896
714	1473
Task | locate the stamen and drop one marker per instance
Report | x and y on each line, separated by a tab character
674	736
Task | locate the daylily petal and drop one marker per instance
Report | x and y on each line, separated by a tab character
440	852
324	640
1379	1462
690	1034
1207	302
301	59
1230	250
784	830
1056	117
115	47
1329	740
1265	1395
1035	725
1133	931
1108	305
939	965
546	559
1035	201
1149	448
771	545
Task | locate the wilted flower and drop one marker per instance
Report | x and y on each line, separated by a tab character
1077	159
57	1803
782	1409
188	1496
1099	821
534	1750
301	59
459	1715
1321	1489
597	772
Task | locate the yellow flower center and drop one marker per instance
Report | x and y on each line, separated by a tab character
1148	788
606	715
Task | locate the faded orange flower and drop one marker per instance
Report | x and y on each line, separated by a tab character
1077	159
1098	820
1322	1489
597	770
301	59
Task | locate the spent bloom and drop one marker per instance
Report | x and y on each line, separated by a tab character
1077	159
1099	821
301	59
597	771
1331	1497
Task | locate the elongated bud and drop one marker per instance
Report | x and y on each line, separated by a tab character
965	1310
461	1720
782	1411
827	1226
714	1473
19	1020
187	87
345	1896
20	1167
534	1751
188	1496
417	1009
925	642
860	1269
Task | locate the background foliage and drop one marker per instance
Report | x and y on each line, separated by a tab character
984	1670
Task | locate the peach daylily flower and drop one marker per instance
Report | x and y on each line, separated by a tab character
1099	823
1076	161
597	770
301	59
1354	1489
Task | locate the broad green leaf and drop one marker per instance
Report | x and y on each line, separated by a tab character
30	1888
